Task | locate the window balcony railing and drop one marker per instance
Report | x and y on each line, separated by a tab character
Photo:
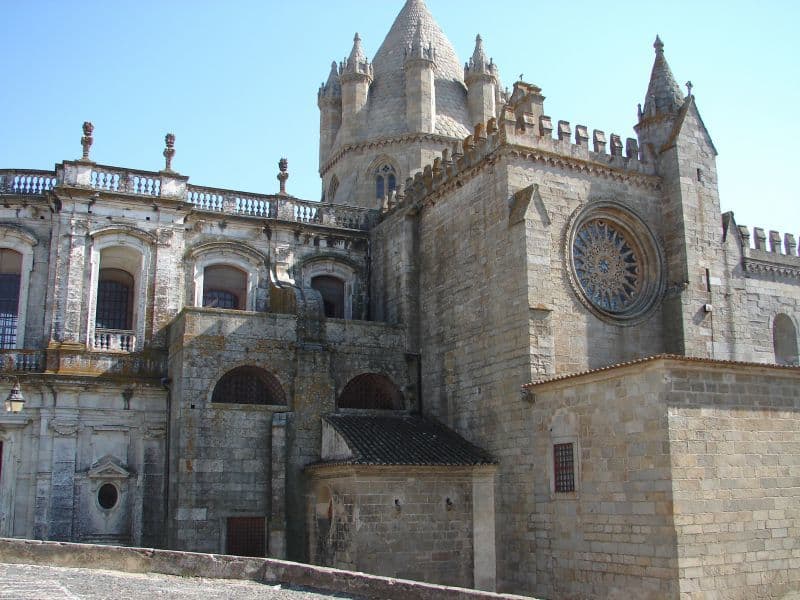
22	361
114	340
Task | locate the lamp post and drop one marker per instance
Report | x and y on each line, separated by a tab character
15	400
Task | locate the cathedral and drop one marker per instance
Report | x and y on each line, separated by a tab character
502	352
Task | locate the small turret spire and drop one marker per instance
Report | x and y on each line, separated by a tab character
663	93
357	61
478	64
418	47
332	87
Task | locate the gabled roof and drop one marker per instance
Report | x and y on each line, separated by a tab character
404	440
387	111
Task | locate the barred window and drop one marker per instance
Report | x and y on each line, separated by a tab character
371	391
249	385
114	300
564	467
220	299
10	268
225	286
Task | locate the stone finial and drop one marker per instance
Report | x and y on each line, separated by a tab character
760	238
632	148
545	126
789	244
581	135
478	63
283	166
775	242
564	131
616	145
357	62
658	45
689	88
599	140
169	151
87	140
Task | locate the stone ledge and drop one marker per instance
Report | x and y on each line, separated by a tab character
265	570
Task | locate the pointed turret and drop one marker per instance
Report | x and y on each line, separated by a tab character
663	93
419	65
481	77
356	77
329	100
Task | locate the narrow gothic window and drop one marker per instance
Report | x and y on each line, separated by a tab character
385	181
332	188
10	268
114	300
564	468
332	290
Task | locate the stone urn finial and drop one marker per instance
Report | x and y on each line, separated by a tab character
283	165
169	151
86	140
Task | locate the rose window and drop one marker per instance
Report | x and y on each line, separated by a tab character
607	266
616	263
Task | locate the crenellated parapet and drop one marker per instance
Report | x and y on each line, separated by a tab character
537	144
767	252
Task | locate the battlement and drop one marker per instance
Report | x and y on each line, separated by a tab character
526	140
766	252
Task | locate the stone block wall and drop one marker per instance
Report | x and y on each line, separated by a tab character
613	536
735	446
394	521
247	460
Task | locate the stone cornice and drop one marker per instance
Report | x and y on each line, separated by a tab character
380	143
762	267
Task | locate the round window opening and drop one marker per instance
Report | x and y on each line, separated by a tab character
616	264
107	496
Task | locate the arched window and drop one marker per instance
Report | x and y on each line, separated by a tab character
332	290
10	275
784	340
385	181
114	300
249	385
371	391
224	287
332	188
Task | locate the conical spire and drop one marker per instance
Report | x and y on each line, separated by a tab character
478	63
663	94
332	88
357	61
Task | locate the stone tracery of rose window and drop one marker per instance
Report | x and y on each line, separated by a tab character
607	266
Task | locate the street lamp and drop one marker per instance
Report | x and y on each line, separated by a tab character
15	400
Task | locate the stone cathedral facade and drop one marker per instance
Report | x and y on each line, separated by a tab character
502	352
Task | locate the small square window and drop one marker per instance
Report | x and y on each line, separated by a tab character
564	467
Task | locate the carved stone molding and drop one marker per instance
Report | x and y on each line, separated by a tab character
64	428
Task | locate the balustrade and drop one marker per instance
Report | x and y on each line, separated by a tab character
114	340
22	361
28	182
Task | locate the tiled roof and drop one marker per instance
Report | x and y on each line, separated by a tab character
646	359
405	440
387	111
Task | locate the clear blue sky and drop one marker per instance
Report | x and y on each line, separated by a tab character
237	81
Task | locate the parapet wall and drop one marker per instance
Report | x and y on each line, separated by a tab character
767	252
266	570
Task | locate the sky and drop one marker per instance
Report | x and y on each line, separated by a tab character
237	81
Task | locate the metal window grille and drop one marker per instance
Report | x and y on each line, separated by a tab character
9	309
249	385
564	467
220	299
246	536
113	305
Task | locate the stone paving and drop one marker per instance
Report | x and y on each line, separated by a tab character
29	582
